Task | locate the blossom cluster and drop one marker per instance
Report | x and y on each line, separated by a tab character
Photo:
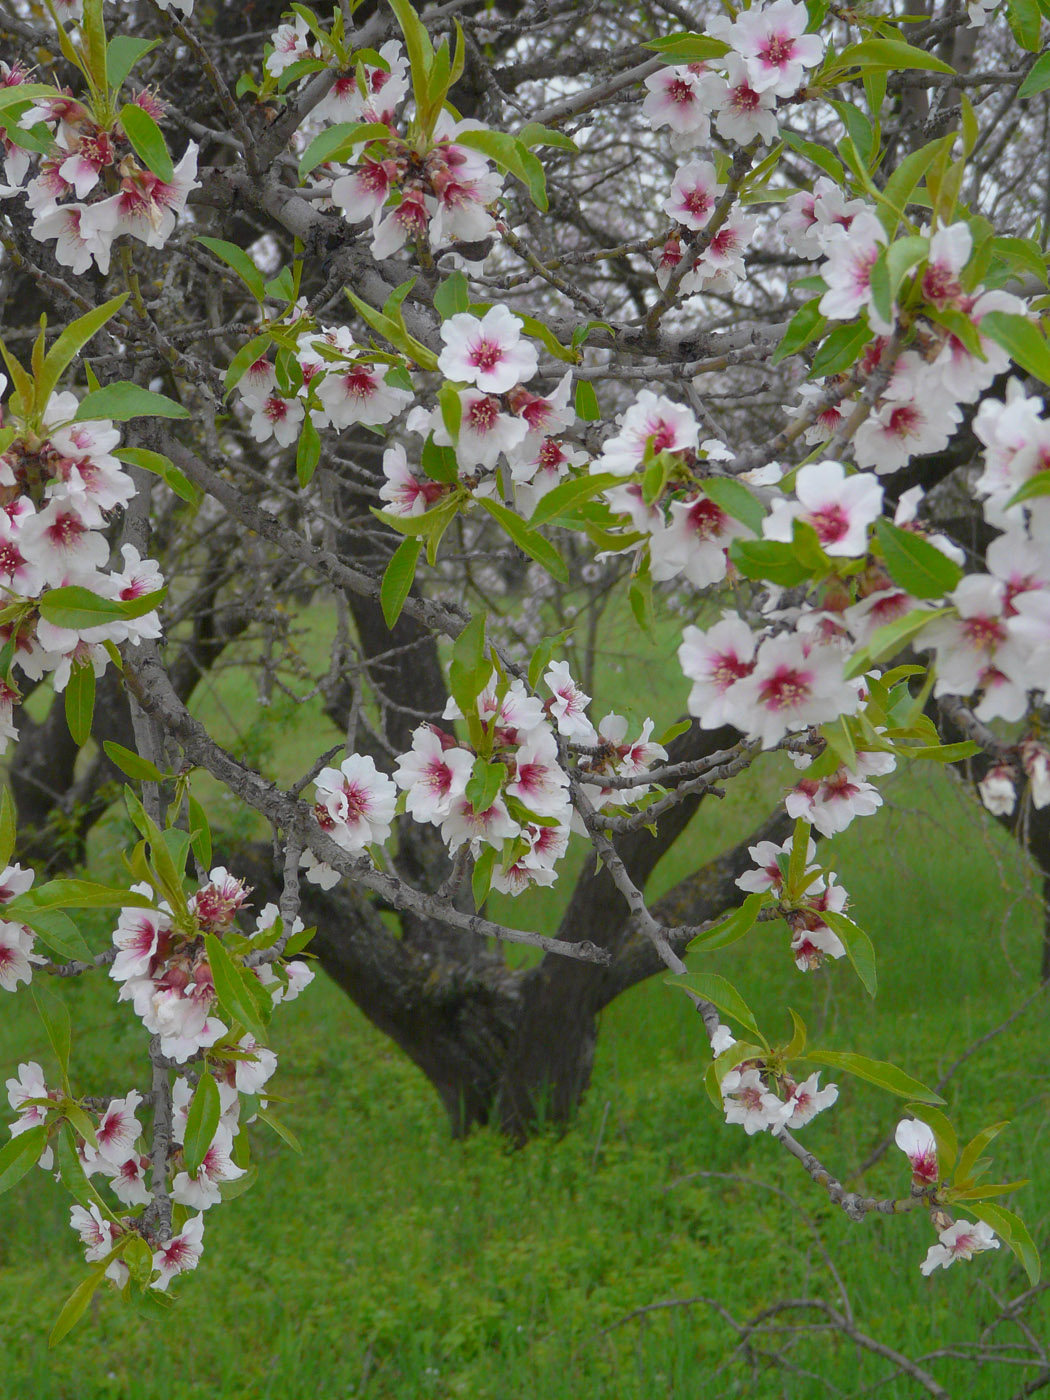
162	965
526	815
767	57
88	188
59	482
961	1239
432	190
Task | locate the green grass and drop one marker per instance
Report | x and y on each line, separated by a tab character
390	1262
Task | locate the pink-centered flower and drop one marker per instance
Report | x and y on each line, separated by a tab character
694	194
355	803
962	1240
179	1254
715	661
775	48
488	352
839	507
916	1140
792	686
432	774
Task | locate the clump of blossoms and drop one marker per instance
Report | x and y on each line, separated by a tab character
164	965
89	187
506	790
60	485
766	60
418	183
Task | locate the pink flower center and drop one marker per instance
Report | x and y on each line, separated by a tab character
744	99
65	530
706	520
778	50
11	559
696	201
831	523
785	688
483	415
486	354
983	633
728	668
680	92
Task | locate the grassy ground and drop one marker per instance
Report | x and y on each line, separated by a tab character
389	1261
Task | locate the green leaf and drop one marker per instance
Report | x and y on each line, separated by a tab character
1025	22
76	1305
236	998
1012	1229
1037	79
138	1257
338	142
732	928
147	141
709	986
511	155
484	785
891	267
165	468
945	753
768	559
122	53
202	1119
123	401
79	609
973	1150
900	186
439	463
806	325
858	947
236	258
568	494
735	499
230	1190
308	452
820	157
687	47
55	1016
891	637
1023	342
397	579
841	350
451	406
58	931
18	1156
242	362
70	1169
8	826
588	408
74	894
879	1072
533	134
70	343
890	54
80	702
914	564
452	296
133	765
481	875
529	541
272	1121
201	837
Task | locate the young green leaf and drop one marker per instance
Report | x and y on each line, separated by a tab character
914	563
529	541
236	258
709	986
123	401
234	994
397	579
80	702
858	947
202	1119
132	765
879	1072
19	1156
147	141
